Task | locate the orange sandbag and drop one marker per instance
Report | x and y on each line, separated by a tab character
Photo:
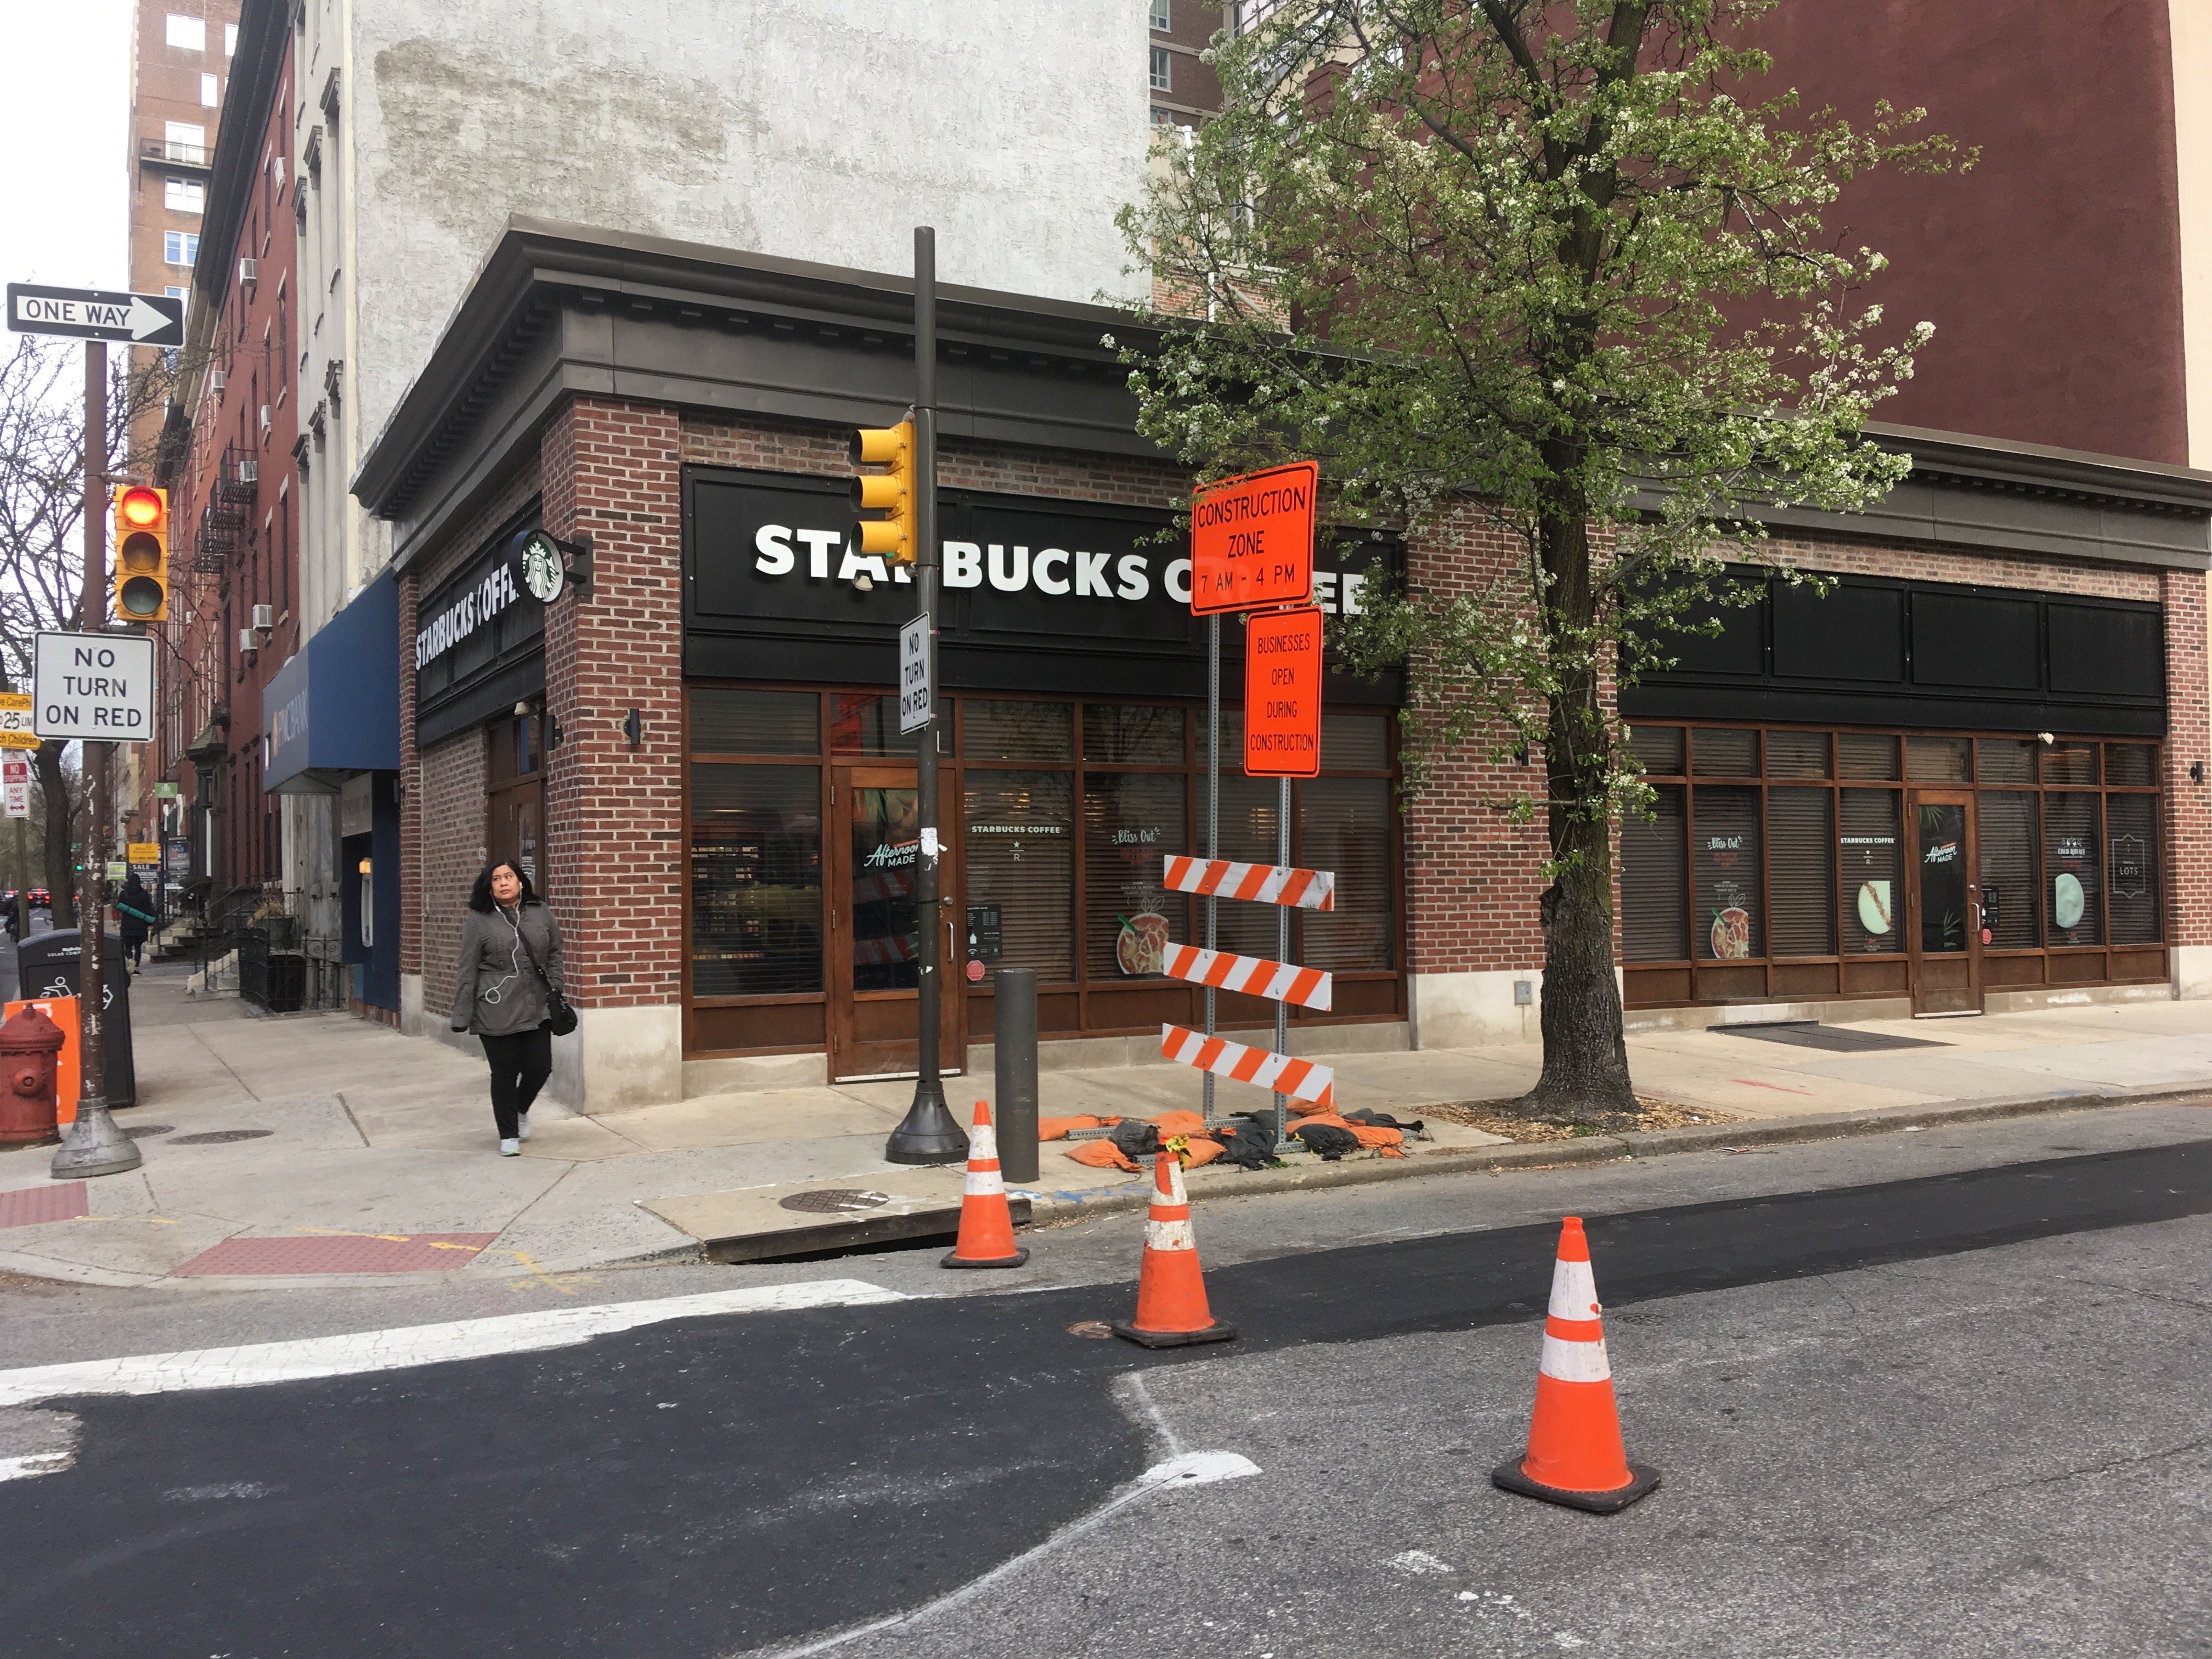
1056	1128
1199	1151
1170	1124
1103	1154
1310	1109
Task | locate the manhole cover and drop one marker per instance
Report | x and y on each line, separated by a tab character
220	1137
148	1131
1094	1328
835	1201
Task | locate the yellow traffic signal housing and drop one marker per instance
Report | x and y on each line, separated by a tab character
141	553
891	492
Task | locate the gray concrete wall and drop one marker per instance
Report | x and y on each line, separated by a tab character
801	128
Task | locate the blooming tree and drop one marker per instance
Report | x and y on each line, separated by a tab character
1560	267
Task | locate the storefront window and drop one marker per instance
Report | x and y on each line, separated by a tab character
1009	731
1796	754
2071	854
727	721
1655	921
1134	736
1344	826
885	826
756	880
2006	760
1729	920
2070	763
1021	865
1657	749
2012	910
2131	868
1715	753
1937	760
1873	892
868	726
1801	871
1942	844
1131	822
1865	755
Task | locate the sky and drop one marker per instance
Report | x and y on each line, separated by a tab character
64	130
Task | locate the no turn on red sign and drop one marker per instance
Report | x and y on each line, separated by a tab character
1252	540
1282	694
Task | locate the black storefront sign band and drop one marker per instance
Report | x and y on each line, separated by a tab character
479	641
1040	594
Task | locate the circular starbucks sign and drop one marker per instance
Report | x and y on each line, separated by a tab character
541	567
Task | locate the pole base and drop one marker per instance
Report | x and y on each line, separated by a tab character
1507	1477
929	1134
94	1147
954	1259
1219	1331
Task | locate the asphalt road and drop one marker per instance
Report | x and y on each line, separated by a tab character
1958	1413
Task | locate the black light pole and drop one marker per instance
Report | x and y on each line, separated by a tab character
929	1134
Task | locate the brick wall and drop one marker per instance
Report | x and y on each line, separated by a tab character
2188	712
614	814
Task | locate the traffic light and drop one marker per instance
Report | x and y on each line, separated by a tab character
891	493
141	553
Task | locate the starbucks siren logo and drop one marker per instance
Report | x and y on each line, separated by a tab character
541	568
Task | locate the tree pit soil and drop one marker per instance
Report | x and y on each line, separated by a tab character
1503	1117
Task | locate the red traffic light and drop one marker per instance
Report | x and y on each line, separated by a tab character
140	508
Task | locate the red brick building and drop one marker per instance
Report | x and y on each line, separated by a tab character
694	757
229	446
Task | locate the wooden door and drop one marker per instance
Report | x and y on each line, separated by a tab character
1943	933
875	975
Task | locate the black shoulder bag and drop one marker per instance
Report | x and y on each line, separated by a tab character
562	1017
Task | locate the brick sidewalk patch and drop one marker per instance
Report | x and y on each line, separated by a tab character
342	1252
26	1207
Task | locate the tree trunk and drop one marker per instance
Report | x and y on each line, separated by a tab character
61	869
1585	1078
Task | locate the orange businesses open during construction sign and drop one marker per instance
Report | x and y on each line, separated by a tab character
1252	540
1282	694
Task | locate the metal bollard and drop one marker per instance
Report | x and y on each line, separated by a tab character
1014	1062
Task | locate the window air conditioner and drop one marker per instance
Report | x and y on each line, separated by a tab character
215	383
249	470
247	643
264	420
264	619
245	272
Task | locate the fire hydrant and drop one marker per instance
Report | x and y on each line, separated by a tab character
30	1059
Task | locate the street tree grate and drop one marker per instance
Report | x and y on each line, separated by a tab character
220	1137
835	1201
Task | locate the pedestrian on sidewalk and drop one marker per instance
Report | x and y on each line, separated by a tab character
134	905
506	990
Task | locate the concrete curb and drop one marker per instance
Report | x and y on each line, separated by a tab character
1604	1149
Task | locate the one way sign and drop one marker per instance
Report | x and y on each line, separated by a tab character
84	313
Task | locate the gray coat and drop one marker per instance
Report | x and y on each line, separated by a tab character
496	992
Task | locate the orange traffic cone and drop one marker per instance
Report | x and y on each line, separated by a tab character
987	1225
1172	1310
1575	1453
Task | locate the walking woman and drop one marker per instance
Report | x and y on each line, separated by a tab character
506	991
134	906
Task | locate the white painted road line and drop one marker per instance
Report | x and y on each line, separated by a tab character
413	1345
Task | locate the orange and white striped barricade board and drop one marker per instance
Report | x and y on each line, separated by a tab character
1255	976
1301	1079
1262	884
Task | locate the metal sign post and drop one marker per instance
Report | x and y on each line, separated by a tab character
94	1147
929	1134
1251	548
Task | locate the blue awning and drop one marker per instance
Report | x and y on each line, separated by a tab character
333	710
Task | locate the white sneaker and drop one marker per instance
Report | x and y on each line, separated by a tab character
510	1149
522	1126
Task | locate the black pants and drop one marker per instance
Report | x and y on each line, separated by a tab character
521	1063
133	949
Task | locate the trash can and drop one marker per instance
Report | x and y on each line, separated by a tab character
46	966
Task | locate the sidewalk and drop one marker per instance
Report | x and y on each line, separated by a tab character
285	1150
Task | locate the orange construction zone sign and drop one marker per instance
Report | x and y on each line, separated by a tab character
1252	540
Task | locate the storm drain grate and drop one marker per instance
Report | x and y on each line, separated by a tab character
220	1137
835	1201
